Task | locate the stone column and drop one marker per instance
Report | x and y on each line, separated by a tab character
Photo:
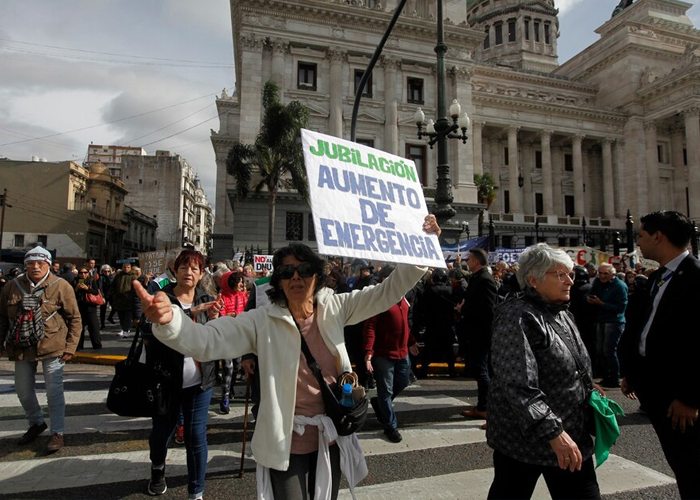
579	206
619	178
608	180
279	50
652	165
588	180
335	121
391	111
477	128
495	146
516	200
527	168
547	179
557	188
461	155
680	178
692	145
250	85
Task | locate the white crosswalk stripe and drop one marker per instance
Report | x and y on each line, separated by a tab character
617	474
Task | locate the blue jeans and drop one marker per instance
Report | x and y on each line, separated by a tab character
391	376
195	409
607	337
25	385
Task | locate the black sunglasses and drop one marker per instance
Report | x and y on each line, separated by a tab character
304	269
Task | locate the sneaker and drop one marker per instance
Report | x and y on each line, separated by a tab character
375	406
32	433
157	486
393	435
223	406
180	434
55	443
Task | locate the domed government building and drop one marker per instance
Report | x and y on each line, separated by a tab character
570	146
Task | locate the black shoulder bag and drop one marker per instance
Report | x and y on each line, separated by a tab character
139	389
346	420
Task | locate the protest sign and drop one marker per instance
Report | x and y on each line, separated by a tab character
152	262
262	262
367	203
450	252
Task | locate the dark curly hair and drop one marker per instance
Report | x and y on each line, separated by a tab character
302	253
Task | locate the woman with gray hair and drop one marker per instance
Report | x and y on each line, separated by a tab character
537	418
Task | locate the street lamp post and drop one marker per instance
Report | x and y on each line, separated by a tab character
442	129
492	235
583	227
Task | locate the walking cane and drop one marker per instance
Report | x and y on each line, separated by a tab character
245	422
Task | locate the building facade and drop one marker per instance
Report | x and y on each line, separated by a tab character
64	207
140	233
165	187
111	156
571	146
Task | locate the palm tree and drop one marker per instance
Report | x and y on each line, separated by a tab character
277	151
485	193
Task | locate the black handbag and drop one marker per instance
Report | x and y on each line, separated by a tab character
346	420
139	389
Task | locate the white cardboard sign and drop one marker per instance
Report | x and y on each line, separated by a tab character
262	262
367	203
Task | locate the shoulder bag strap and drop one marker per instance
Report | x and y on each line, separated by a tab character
132	350
310	360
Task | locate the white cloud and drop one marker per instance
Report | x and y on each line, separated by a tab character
566	6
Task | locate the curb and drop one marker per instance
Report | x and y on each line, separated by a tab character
97	359
104	359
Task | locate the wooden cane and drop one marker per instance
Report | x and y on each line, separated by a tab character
245	422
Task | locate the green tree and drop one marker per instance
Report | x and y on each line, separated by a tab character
277	151
485	193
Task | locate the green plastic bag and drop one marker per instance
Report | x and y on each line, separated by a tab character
606	429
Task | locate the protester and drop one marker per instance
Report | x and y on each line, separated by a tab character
609	297
61	328
477	311
537	416
120	291
662	346
301	308
387	341
104	282
234	297
85	285
193	379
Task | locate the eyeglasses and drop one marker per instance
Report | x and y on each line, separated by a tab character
561	275
82	272
304	269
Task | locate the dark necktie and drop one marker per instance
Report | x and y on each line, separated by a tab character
659	281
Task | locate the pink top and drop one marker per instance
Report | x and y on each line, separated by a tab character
309	402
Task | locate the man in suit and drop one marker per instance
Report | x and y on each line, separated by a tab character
477	309
662	349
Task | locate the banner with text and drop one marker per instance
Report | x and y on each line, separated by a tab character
367	203
450	252
152	262
262	262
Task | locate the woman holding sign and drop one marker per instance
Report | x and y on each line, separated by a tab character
295	444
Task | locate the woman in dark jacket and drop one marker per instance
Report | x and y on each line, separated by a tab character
85	285
537	417
103	282
192	382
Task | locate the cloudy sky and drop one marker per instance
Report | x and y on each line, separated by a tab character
145	73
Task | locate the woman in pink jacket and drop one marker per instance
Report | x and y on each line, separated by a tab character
234	297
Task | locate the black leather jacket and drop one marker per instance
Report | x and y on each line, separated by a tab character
170	359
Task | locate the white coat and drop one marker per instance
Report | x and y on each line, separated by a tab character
270	332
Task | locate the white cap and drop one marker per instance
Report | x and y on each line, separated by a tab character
37	253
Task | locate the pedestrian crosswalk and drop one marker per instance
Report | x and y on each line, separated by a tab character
442	456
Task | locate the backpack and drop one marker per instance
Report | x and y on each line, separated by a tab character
27	328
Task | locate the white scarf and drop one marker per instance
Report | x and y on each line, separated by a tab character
352	460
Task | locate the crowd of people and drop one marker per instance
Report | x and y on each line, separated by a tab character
532	334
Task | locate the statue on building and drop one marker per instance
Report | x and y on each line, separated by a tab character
621	6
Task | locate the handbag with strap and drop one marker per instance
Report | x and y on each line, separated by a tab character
139	389
95	300
347	420
605	411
